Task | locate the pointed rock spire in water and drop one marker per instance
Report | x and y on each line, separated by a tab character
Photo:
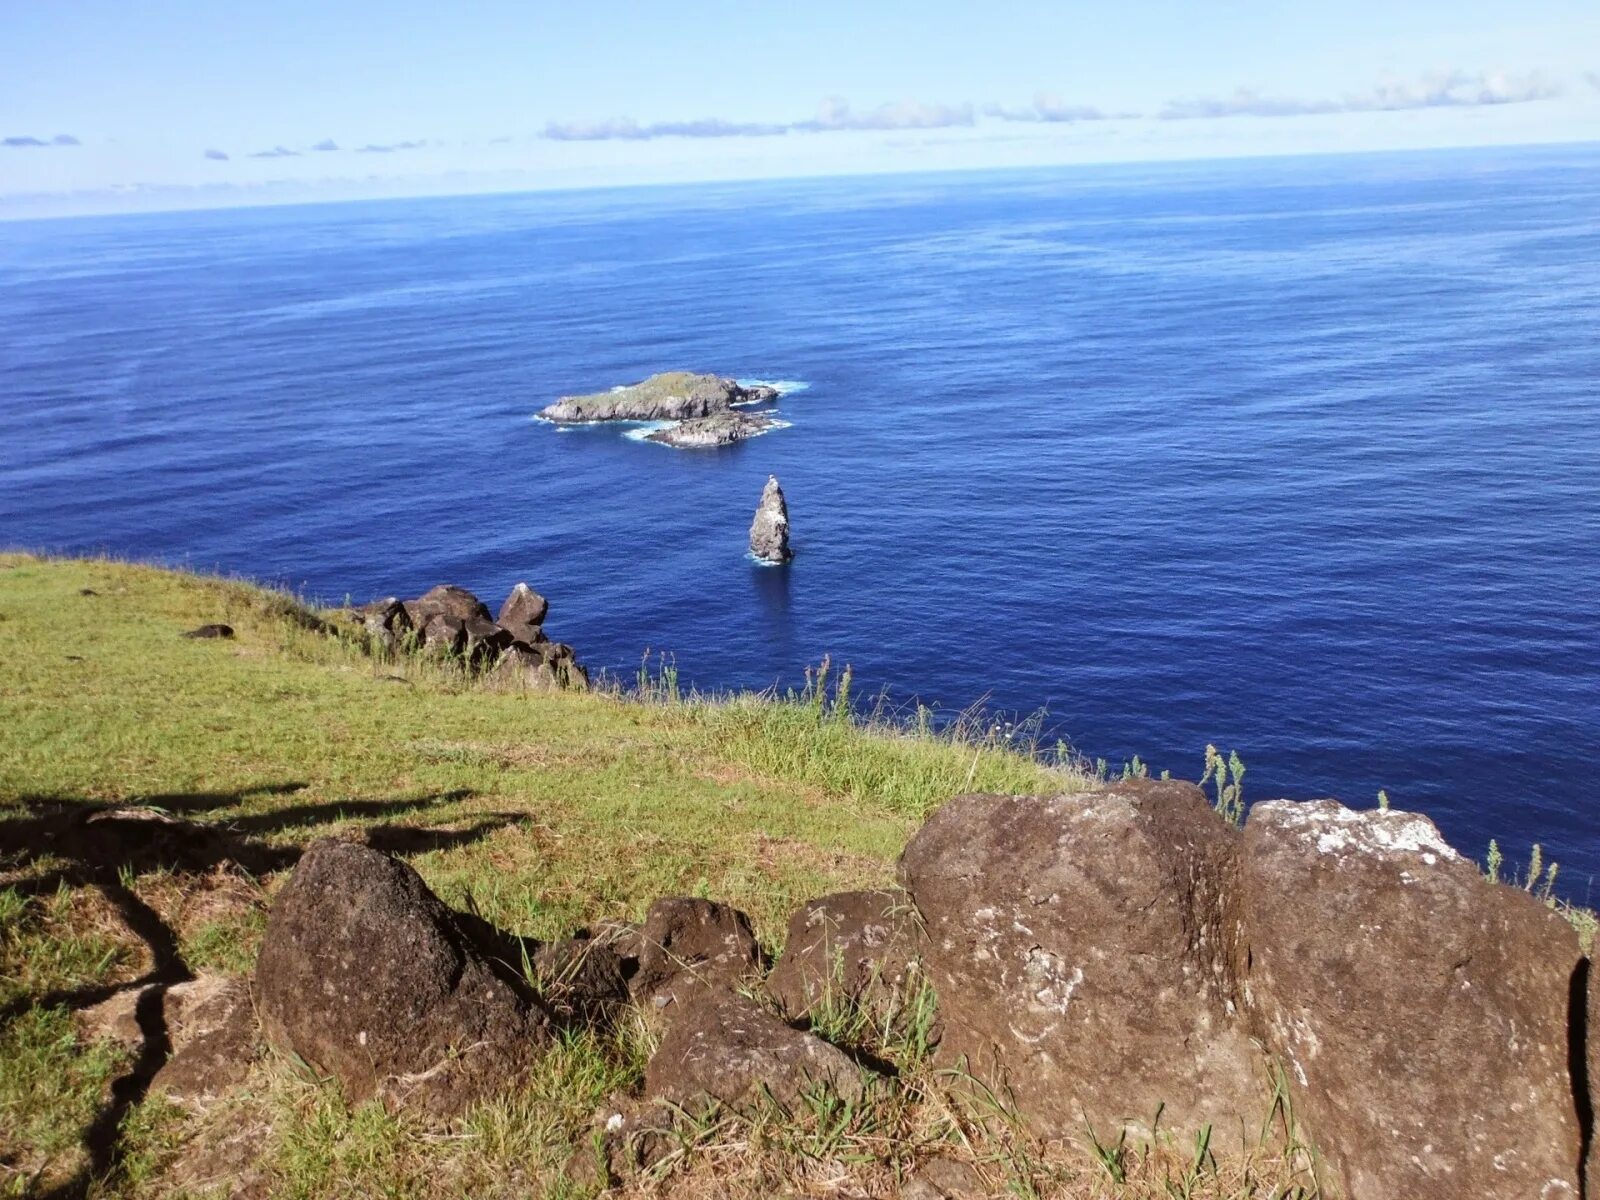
769	532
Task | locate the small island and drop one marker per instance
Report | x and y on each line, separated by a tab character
700	407
719	429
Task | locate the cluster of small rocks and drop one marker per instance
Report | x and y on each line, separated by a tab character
510	650
1104	960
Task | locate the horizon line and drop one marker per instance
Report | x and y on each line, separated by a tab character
255	202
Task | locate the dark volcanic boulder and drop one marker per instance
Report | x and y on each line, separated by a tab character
1082	947
523	613
690	946
723	1047
485	641
850	947
448	599
769	532
1422	1014
583	980
386	622
367	976
444	634
540	667
524	667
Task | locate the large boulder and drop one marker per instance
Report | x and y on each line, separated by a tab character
523	613
448	599
1082	948
725	1048
851	948
540	667
690	946
444	634
485	641
387	623
366	975
1425	1017
524	668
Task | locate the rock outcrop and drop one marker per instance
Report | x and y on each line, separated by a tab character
769	532
1424	1016
449	600
523	614
512	651
850	948
367	976
670	396
1081	948
1109	955
719	429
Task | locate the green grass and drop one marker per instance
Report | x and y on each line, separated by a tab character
541	812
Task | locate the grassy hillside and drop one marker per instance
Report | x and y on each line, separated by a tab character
541	812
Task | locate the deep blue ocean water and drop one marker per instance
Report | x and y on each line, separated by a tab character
1300	456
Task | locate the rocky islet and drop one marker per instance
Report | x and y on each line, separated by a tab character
700	409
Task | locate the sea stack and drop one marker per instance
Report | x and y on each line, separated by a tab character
769	532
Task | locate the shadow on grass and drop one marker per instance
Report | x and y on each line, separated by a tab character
61	841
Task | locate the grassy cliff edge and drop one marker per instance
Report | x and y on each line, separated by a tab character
541	812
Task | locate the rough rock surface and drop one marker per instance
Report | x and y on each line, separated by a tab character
719	429
1081	948
582	979
209	1027
769	532
448	599
670	396
540	667
1591	1166
690	946
523	613
857	947
723	1047
486	641
212	1028
444	634
524	667
367	976
386	622
1422	1014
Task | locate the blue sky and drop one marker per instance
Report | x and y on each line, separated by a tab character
109	105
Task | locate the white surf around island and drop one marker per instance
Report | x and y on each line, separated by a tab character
752	557
640	431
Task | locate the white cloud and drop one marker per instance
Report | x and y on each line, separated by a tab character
1451	89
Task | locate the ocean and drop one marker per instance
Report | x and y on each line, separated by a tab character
1298	457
